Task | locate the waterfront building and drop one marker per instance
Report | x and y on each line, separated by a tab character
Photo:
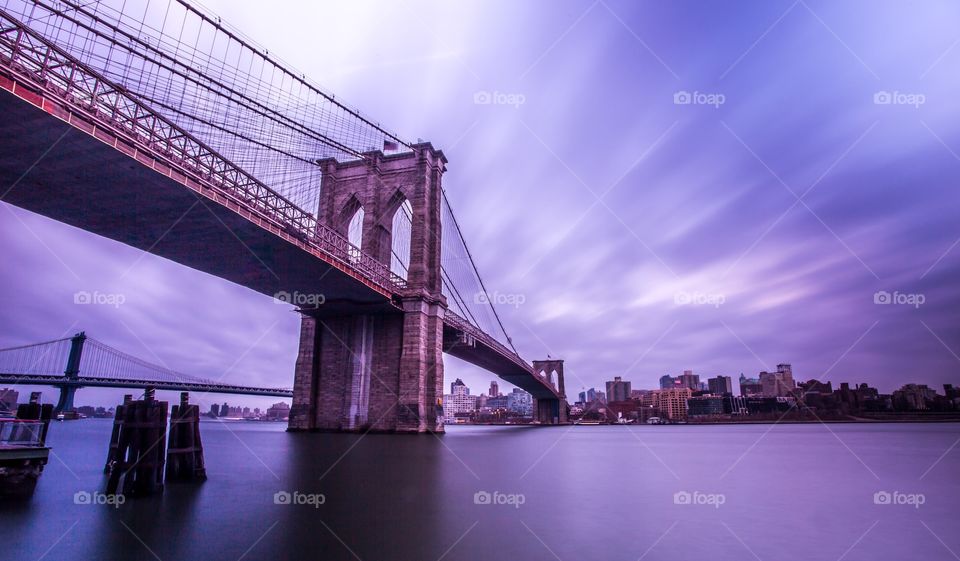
914	397
215	410
671	403
705	405
278	410
494	389
720	385
618	389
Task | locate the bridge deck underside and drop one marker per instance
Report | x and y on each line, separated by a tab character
87	184
492	361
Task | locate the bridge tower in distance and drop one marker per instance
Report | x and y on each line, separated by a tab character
551	411
72	372
378	367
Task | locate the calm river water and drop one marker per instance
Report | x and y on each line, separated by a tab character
773	493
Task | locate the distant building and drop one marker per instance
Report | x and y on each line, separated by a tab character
215	410
278	411
520	403
618	390
750	386
779	383
667	381
720	385
457	386
671	403
689	380
705	405
914	397
583	397
224	410
9	399
459	401
769	405
501	402
494	389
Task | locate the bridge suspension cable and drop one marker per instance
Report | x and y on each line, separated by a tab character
215	83
44	359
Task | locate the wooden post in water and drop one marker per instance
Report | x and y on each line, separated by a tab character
113	454
185	452
140	456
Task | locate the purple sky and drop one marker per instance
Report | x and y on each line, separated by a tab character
600	203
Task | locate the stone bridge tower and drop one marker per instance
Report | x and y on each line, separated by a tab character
551	411
375	367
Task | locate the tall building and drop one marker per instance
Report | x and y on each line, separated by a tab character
666	382
215	410
494	389
591	395
689	380
618	390
224	410
720	385
583	397
779	383
459	401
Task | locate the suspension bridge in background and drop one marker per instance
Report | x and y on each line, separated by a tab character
155	124
75	362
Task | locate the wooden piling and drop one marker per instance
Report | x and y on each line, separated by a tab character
113	453
185	450
137	466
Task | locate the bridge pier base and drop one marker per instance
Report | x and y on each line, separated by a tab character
370	372
65	403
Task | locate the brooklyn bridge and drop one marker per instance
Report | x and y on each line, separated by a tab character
188	141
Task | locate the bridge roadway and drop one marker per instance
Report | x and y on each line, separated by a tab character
95	174
97	382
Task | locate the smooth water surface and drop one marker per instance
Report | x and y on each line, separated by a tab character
805	492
